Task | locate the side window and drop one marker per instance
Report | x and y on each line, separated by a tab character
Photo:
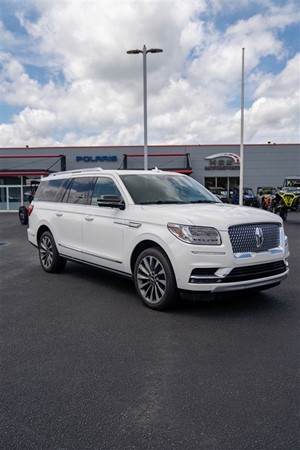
61	191
104	186
51	190
79	191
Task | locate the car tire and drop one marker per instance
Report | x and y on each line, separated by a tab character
23	215
49	256
154	279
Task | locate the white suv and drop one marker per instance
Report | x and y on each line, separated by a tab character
163	229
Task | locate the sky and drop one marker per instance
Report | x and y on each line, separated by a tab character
66	78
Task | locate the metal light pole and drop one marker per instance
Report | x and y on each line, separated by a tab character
241	189
144	52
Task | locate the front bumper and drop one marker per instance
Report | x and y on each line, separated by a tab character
208	292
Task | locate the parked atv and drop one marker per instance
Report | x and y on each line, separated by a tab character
291	198
265	195
278	206
249	198
221	193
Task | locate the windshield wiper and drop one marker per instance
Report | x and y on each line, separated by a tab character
163	202
202	201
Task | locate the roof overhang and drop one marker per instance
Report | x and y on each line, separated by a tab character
18	173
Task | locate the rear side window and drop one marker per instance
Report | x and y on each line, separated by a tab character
79	191
51	190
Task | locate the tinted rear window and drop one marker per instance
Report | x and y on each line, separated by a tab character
51	190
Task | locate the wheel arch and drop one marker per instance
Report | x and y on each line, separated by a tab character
41	230
143	245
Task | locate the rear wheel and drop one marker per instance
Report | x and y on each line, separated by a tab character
154	279
49	256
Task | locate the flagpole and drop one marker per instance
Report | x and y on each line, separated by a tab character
241	189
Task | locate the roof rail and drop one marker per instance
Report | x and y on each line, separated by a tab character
90	169
156	170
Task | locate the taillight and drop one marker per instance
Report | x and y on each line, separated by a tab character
30	209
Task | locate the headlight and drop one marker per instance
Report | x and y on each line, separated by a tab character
286	241
195	235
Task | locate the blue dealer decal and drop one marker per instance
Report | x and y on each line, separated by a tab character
96	158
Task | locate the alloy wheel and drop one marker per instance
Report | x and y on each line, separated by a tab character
151	279
46	252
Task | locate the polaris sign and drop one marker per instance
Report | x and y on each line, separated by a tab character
89	159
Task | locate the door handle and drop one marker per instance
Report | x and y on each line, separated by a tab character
89	218
58	213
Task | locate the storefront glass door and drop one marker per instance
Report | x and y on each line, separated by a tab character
227	183
10	198
14	198
3	198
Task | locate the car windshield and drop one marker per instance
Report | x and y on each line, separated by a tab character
268	190
248	191
166	189
219	191
293	190
290	182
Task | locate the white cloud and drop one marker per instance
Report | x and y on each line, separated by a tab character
277	105
285	84
92	92
29	126
6	36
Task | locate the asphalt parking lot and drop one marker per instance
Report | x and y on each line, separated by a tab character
85	365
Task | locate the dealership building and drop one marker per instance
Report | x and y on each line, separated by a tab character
212	165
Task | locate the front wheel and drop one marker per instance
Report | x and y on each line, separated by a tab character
154	279
49	256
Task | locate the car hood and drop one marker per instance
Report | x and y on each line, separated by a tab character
217	215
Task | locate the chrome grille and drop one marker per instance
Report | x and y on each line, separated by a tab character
254	237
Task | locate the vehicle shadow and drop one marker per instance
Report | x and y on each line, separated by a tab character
226	304
99	276
237	303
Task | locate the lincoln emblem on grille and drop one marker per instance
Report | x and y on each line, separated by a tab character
259	236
